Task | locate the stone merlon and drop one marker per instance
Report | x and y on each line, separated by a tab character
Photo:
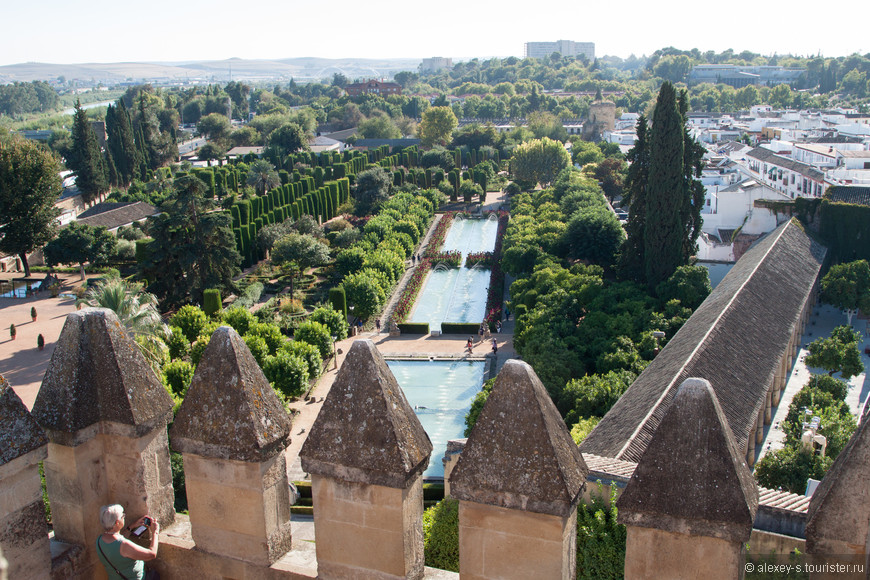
230	410
366	431
839	509
19	432
98	374
692	479
519	454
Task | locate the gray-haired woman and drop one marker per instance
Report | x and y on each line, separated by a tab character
123	559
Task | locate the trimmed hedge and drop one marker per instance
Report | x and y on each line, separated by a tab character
414	327
460	328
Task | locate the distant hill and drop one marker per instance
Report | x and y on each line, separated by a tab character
303	69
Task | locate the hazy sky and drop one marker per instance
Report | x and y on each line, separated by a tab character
160	30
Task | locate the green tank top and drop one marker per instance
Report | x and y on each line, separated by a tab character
111	552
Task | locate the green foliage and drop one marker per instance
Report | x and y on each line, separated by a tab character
85	158
238	318
845	228
437	126
191	320
600	540
179	345
688	284
287	373
194	249
372	188
595	235
338	300
593	395
847	287
270	333
441	535
477	406
307	352
364	292
582	428
539	161
258	347
316	334
789	468
837	353
211	301
828	384
79	243
177	375
176	463
29	188
333	320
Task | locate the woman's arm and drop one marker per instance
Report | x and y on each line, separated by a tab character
136	552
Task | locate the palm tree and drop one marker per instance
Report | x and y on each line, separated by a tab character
262	175
137	311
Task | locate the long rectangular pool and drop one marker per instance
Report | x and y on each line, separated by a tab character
458	294
440	392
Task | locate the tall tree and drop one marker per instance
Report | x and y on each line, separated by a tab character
193	248
121	143
539	161
663	235
437	126
663	192
86	159
262	175
29	187
79	243
847	287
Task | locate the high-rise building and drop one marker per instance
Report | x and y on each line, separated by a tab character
435	64
563	47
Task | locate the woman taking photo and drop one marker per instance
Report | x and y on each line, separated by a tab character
123	559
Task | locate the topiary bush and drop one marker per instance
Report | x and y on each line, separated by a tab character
269	333
308	353
316	334
441	535
258	348
239	318
190	319
179	346
177	375
211	301
335	321
287	373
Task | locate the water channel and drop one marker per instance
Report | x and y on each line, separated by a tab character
458	294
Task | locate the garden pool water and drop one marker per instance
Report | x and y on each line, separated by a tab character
440	392
458	294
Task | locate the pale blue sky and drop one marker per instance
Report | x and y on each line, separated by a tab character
162	30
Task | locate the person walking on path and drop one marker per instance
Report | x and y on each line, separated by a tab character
494	346
469	346
378	325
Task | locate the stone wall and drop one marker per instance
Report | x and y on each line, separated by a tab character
518	479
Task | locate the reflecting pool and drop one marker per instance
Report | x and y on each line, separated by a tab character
440	392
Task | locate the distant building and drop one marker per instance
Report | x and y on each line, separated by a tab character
563	47
373	87
741	76
435	64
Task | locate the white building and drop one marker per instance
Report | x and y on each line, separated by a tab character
785	175
563	47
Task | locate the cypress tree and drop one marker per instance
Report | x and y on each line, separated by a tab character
664	193
121	143
663	236
86	159
631	263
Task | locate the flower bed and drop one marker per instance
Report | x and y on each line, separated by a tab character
495	296
484	259
451	259
438	236
409	295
